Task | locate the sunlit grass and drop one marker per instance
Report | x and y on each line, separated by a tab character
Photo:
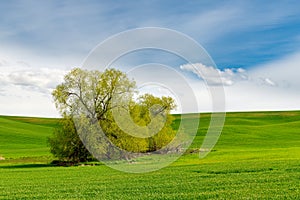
256	157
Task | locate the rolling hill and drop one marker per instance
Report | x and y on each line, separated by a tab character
25	136
256	157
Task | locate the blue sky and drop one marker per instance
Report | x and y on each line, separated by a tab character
41	37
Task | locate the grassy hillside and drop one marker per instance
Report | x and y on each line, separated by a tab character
25	136
256	157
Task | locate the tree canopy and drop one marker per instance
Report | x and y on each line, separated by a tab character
108	99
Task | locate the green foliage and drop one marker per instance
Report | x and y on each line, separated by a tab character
147	109
98	98
65	143
92	92
150	108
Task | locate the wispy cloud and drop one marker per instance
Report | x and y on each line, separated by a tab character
272	86
268	81
227	29
283	72
42	40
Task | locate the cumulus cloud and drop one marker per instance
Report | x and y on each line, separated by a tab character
230	76
22	74
273	86
214	76
25	90
42	80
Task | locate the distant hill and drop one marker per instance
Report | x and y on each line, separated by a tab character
27	136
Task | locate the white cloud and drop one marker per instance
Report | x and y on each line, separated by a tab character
247	96
214	76
50	43
267	81
22	74
272	86
3	62
43	80
26	90
17	101
283	73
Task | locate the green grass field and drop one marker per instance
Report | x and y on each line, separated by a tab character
256	157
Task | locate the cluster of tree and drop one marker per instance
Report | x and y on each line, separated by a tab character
108	99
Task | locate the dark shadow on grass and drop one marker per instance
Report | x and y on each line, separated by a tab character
32	166
26	166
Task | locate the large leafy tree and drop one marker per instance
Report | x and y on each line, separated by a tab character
97	96
92	92
65	143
